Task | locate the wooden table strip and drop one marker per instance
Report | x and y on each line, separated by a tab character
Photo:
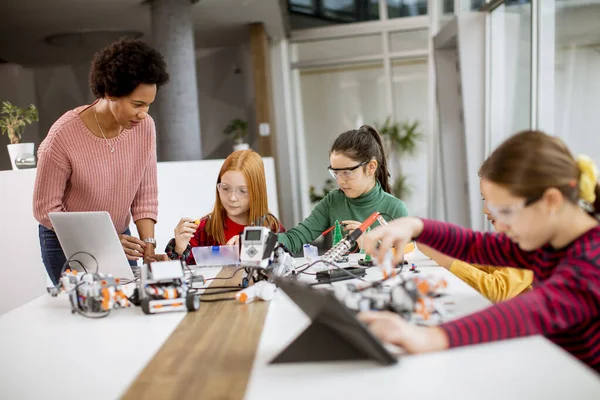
210	353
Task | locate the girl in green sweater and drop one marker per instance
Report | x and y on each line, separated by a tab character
359	166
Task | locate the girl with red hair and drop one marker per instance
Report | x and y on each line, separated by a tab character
241	200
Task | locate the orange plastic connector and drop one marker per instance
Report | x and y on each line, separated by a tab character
442	284
387	275
105	298
421	309
423	287
243	297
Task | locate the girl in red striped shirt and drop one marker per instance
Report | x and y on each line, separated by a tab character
241	200
544	198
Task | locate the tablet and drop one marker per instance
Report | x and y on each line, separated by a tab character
334	335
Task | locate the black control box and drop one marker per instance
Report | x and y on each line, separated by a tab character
341	274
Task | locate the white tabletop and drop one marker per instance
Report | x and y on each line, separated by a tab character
461	299
527	368
45	352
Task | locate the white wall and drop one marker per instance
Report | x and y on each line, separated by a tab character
59	89
471	48
286	137
577	99
197	198
21	267
510	79
411	103
338	99
225	91
185	189
335	100
460	64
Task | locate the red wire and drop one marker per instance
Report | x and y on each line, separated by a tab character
327	231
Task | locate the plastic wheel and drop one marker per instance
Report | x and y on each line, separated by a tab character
135	297
146	305
192	302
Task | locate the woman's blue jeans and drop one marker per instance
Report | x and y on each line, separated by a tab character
53	256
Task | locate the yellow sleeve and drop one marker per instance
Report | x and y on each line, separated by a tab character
495	283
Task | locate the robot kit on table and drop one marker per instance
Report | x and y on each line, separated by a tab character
169	286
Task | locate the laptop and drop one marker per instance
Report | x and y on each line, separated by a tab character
94	233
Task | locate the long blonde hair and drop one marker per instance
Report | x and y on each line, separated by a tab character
250	164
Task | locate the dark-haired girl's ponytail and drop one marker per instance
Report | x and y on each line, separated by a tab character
382	174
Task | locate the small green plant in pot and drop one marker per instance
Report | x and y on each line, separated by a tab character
13	121
238	128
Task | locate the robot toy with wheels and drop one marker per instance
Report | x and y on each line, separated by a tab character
92	295
415	298
162	288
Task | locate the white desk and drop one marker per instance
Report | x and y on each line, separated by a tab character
527	368
48	353
461	299
45	352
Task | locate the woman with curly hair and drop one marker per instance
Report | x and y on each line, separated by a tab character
102	157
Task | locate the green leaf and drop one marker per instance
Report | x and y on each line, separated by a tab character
15	119
401	189
237	127
404	138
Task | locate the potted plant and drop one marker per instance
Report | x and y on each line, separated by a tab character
400	138
238	128
13	121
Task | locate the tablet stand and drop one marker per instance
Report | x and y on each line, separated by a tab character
334	334
319	342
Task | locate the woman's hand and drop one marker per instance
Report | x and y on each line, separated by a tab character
149	251
397	233
134	248
390	328
155	257
184	231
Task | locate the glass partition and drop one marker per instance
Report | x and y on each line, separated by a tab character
510	71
